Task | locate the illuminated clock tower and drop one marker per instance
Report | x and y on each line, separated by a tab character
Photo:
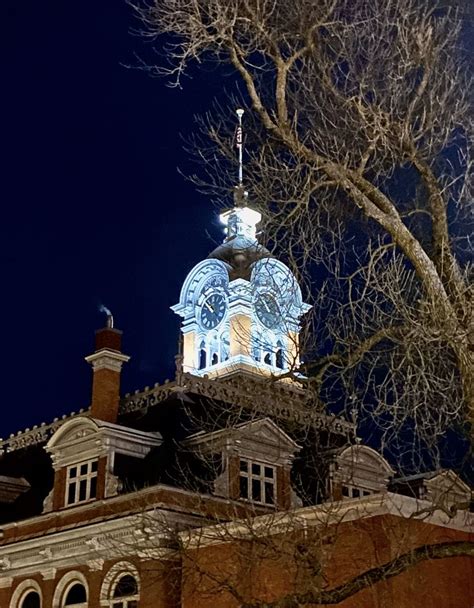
241	307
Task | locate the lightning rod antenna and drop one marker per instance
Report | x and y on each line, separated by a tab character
240	141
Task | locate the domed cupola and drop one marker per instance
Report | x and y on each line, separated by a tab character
241	248
241	307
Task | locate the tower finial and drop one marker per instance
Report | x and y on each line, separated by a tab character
240	144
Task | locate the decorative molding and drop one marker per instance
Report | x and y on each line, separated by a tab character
264	395
91	544
284	400
330	513
107	359
6	582
48	574
46	553
84	438
22	591
96	565
37	434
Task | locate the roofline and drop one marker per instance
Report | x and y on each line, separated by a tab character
333	513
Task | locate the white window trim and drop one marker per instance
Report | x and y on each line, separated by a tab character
249	475
63	587
22	591
88	476
360	489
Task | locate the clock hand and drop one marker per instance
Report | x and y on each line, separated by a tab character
208	306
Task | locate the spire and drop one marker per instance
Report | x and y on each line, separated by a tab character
241	221
240	144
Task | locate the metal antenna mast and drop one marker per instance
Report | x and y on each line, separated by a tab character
240	140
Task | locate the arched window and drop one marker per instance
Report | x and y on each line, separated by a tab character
225	346
202	355
31	600
121	587
279	357
214	350
71	591
76	596
27	595
125	594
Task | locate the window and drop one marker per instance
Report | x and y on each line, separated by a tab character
121	586
257	482
31	600
76	596
27	595
351	492
125	594
81	482
202	355
279	358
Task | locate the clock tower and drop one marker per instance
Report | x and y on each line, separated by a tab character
241	307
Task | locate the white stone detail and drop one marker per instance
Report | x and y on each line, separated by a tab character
107	359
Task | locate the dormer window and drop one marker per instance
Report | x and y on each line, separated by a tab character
85	452
255	462
81	484
357	471
257	482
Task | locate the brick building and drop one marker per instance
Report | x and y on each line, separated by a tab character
226	485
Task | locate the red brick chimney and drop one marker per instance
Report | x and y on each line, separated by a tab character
106	364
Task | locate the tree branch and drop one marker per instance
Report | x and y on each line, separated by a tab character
371	577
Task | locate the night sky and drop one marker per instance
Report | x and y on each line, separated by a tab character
93	207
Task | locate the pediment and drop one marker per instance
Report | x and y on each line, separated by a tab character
73	430
448	481
260	435
266	431
363	457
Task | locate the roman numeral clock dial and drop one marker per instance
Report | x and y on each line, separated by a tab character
213	310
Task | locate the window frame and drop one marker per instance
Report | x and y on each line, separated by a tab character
355	491
111	580
79	477
78	604
261	478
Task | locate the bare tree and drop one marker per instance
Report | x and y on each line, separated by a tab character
358	156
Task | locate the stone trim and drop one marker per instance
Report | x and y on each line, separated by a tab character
331	513
67	581
23	588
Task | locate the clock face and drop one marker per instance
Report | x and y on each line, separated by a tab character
268	311
213	310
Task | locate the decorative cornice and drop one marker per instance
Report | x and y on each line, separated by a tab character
266	396
330	514
269	396
91	544
37	434
107	359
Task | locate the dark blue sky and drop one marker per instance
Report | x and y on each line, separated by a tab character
93	208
